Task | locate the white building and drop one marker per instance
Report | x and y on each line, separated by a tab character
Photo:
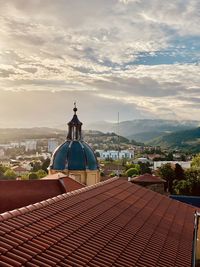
52	145
183	164
113	154
30	145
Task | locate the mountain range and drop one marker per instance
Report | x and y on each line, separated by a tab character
144	130
185	140
164	133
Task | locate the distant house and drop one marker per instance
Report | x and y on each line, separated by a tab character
19	170
183	164
153	156
113	168
149	181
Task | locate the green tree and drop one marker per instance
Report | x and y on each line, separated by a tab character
179	172
25	176
132	165
36	166
190	186
170	156
41	173
196	161
46	164
182	187
10	174
144	167
32	176
3	168
112	174
167	173
132	172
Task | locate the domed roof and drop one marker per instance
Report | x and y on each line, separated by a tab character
74	153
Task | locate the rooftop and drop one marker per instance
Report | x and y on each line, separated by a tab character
113	223
147	178
18	193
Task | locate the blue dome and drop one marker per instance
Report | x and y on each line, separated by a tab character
74	155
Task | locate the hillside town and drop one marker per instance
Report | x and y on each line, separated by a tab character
99	133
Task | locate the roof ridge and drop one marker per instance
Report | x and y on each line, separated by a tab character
23	210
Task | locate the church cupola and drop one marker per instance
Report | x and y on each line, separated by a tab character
75	157
74	127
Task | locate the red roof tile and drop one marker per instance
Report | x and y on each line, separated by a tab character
113	223
16	194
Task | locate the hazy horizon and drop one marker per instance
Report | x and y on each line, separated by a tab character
139	58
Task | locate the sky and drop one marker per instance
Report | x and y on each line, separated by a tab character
136	57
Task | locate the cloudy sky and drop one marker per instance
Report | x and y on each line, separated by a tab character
138	57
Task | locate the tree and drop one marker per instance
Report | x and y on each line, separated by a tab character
46	164
41	173
144	167
196	161
190	186
179	172
32	176
167	173
132	172
132	165
25	176
97	154
170	156
10	174
182	187
36	166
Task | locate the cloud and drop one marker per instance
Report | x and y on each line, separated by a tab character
141	57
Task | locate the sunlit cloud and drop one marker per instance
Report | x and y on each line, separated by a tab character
140	57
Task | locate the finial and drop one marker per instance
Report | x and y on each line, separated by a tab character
75	108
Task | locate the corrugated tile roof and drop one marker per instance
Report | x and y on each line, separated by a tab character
113	223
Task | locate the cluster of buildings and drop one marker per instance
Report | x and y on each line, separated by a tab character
114	154
29	145
70	218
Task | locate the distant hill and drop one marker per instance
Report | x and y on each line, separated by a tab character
145	137
93	137
143	130
17	134
188	139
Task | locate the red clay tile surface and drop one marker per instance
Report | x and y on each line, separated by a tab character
114	223
16	194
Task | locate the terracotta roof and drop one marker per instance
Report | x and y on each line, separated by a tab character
17	194
113	223
147	178
19	169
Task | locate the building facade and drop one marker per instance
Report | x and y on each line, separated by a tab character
114	154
